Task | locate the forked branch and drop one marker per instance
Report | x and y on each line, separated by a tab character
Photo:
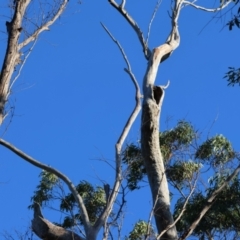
120	8
44	27
13	56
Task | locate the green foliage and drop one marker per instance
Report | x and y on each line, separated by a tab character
94	199
223	216
140	231
180	136
217	150
233	76
194	206
235	21
182	171
44	191
136	171
178	147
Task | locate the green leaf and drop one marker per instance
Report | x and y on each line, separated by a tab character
141	231
44	190
94	199
217	150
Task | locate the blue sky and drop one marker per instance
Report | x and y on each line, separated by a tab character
73	97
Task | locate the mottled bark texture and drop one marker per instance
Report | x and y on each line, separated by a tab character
153	97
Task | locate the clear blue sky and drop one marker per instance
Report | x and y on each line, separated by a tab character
73	97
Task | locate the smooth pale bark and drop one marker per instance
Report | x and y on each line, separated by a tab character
151	108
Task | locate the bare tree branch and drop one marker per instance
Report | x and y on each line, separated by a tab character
22	65
44	27
209	204
152	18
122	5
208	9
118	147
78	198
122	204
124	13
174	37
13	54
113	221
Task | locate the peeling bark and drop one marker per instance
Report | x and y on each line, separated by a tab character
49	231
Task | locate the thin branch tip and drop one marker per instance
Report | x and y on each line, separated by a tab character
165	86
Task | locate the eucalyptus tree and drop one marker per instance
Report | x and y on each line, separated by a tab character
21	34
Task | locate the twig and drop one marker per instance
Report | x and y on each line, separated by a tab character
44	27
207	9
152	18
23	63
123	201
